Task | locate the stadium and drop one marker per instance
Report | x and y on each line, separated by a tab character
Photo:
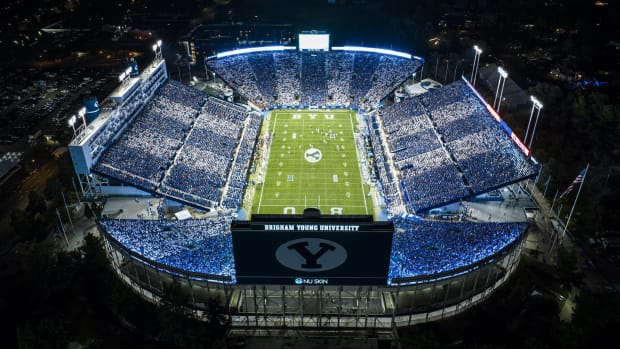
316	192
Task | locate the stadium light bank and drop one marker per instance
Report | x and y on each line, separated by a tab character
157	50
474	68
536	105
501	82
73	119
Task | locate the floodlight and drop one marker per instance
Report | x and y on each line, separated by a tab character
536	102
82	111
154	47
477	49
158	43
502	72
72	120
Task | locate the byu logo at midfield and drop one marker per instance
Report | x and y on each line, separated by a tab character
311	254
313	155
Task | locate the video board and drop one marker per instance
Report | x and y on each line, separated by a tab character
324	250
313	42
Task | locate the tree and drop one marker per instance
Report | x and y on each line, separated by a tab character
52	190
88	211
567	259
36	203
596	320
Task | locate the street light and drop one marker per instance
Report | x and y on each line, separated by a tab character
536	104
474	68
502	81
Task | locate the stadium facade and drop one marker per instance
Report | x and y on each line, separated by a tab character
156	137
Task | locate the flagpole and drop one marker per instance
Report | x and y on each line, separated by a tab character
538	175
547	185
553	203
576	198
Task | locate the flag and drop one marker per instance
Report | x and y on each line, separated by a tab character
577	180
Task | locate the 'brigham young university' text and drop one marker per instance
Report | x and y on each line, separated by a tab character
310	227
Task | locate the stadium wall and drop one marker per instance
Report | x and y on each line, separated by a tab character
430	298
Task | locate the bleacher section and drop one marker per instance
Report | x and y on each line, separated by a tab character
447	147
420	248
146	149
201	246
183	146
288	66
292	78
425	248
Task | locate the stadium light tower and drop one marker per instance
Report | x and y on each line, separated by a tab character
536	105
72	121
499	92
474	68
157	50
82	114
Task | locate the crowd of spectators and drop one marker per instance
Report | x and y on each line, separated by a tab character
264	70
446	147
201	246
146	149
489	160
428	150
182	145
391	72
419	247
201	168
422	248
313	80
239	173
288	85
292	78
364	66
432	179
339	73
238	73
388	183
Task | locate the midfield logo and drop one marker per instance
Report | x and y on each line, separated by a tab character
313	155
311	254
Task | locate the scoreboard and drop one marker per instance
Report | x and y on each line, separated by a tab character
312	250
313	41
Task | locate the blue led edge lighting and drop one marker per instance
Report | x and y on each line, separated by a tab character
253	50
373	50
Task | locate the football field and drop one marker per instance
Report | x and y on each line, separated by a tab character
312	162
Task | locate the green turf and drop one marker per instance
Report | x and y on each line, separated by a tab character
332	184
